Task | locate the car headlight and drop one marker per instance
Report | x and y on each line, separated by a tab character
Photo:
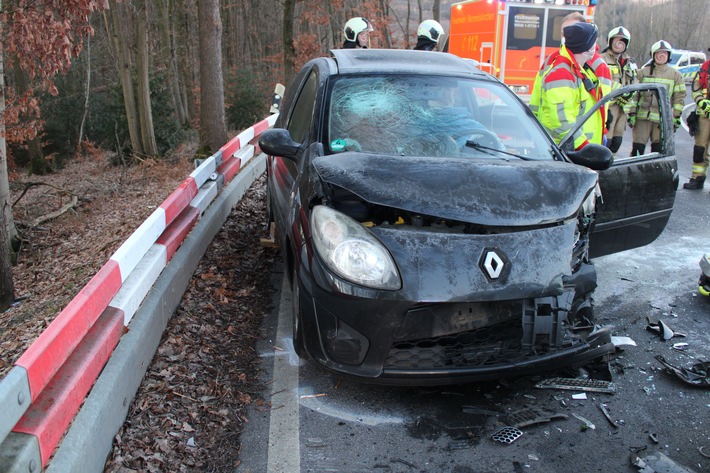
351	251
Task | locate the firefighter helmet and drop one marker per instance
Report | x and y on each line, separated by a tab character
355	26
619	32
661	45
430	29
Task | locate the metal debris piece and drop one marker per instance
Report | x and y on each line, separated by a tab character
700	449
587	423
653	437
528	417
579	396
605	411
507	435
577	384
697	375
657	462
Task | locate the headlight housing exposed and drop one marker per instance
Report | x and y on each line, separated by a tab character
351	251
585	216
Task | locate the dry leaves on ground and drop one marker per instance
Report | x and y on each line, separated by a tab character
190	409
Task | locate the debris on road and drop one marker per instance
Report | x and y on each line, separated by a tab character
657	462
529	417
620	341
507	435
586	423
576	384
698	375
605	411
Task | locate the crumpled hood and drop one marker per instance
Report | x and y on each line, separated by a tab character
484	191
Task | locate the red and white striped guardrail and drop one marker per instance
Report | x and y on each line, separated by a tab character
44	390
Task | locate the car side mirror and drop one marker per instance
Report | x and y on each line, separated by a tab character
593	156
278	142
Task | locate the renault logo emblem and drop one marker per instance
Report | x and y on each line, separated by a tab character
494	264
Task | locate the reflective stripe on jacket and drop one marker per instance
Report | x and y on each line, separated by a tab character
559	97
645	104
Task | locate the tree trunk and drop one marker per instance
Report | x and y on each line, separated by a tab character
38	165
7	226
124	72
145	111
436	10
87	93
287	38
213	129
170	61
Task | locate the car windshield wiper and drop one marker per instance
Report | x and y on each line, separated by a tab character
486	149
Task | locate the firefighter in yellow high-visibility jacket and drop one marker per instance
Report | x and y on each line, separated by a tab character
701	149
643	112
567	89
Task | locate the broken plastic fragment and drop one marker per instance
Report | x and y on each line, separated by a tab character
698	375
528	417
576	384
663	330
680	346
507	435
587	423
579	396
656	462
605	411
622	341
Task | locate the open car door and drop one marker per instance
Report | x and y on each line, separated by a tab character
637	192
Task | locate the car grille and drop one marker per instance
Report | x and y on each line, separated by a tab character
480	347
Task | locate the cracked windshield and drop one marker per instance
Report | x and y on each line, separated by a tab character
432	116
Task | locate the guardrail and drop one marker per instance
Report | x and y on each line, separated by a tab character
42	394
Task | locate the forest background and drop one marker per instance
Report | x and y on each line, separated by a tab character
137	79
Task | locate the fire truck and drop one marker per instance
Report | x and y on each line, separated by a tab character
511	38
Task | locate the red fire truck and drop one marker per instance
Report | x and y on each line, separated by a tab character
511	38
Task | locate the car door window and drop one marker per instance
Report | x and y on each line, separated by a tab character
300	120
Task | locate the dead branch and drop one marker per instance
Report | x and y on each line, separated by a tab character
65	208
29	185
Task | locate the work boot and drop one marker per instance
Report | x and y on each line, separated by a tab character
695	183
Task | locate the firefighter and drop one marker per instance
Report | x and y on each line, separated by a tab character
623	71
701	96
428	35
643	114
357	33
567	89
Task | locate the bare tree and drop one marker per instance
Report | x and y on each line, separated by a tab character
213	129
289	52
169	58
145	111
125	65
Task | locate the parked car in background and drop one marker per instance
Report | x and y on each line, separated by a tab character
432	231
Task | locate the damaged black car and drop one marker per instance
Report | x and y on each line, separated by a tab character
432	231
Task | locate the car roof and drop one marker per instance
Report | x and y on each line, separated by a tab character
353	61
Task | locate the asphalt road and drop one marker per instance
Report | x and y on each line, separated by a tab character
317	422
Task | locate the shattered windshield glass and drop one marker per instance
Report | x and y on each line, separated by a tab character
430	116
